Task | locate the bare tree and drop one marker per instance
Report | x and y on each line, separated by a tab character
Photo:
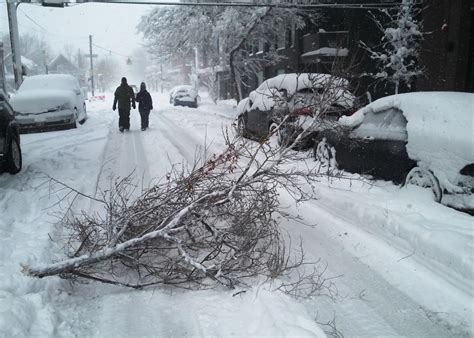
227	34
32	47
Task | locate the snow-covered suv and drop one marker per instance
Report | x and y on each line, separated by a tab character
10	151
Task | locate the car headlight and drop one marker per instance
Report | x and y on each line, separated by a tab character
65	106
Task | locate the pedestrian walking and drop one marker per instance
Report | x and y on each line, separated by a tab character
145	104
125	98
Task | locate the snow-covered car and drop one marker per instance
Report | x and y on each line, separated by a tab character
184	95
51	101
297	98
423	138
10	151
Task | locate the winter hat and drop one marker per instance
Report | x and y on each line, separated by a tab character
142	86
124	80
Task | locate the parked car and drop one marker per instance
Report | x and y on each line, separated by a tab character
295	99
10	151
52	101
184	96
423	138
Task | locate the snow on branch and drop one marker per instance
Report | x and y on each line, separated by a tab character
212	225
398	52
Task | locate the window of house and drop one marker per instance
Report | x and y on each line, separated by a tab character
281	40
290	36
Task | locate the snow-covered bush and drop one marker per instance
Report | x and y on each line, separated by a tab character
398	52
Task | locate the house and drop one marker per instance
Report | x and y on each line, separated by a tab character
61	65
448	49
447	52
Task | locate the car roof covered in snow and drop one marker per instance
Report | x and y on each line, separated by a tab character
293	82
48	81
439	126
263	97
187	88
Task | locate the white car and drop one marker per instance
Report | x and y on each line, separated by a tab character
184	96
51	101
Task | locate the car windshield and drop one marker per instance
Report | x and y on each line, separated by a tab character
47	82
388	124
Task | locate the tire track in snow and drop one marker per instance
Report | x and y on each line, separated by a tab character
387	310
186	143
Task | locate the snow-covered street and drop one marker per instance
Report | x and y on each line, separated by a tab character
401	264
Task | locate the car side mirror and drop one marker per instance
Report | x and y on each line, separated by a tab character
77	91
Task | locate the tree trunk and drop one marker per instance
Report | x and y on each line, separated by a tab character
235	78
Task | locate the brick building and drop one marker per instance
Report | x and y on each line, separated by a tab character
447	52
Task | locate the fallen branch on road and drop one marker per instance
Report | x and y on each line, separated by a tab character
212	225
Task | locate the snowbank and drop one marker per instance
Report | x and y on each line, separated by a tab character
440	130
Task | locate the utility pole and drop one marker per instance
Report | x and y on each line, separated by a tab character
2	69
92	65
15	42
45	60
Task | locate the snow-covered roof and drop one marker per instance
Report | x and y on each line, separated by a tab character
328	51
28	62
263	97
61	59
440	129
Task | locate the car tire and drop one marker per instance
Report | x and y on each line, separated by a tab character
85	115
325	153
279	133
14	158
425	179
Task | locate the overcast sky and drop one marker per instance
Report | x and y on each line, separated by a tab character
113	26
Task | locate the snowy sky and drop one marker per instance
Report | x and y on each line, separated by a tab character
113	26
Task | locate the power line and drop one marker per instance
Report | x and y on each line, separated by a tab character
29	18
110	51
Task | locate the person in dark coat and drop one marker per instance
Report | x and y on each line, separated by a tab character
145	104
125	98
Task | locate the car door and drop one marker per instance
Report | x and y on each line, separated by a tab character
257	116
378	146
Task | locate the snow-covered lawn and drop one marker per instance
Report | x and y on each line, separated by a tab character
401	263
